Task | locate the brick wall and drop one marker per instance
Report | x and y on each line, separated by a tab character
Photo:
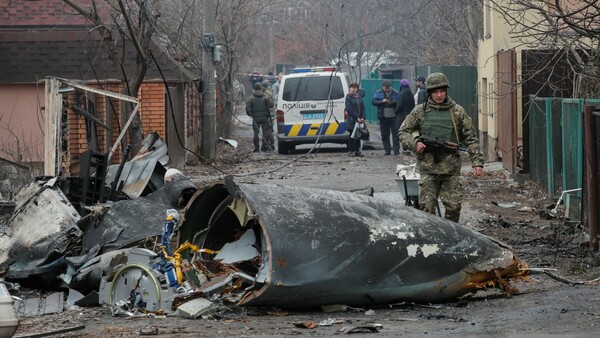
152	112
152	98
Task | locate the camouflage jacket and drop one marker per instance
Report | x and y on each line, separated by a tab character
449	163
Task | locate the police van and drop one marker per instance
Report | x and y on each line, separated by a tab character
310	107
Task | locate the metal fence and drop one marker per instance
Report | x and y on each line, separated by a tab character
556	147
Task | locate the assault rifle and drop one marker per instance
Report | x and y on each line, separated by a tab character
439	146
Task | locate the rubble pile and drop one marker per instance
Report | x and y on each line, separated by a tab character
150	241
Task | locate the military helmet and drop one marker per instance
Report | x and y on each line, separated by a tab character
436	80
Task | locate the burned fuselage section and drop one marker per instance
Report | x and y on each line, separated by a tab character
309	247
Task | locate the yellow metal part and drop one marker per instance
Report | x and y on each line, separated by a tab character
240	209
177	260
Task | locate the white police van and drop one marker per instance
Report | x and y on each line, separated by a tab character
310	107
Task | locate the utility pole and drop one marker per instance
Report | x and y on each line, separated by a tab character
209	99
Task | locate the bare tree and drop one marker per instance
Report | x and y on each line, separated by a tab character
240	35
568	29
129	21
358	32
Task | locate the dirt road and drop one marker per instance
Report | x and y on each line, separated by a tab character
495	205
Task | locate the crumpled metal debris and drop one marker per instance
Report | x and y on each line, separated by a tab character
269	245
343	248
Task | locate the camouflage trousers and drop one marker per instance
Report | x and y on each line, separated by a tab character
448	188
267	135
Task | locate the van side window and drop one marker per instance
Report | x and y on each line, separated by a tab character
313	88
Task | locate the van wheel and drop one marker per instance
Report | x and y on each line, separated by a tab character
282	148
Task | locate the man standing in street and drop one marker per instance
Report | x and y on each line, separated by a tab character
255	78
386	100
443	119
258	106
421	94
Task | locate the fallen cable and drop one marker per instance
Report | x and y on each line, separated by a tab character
560	278
53	332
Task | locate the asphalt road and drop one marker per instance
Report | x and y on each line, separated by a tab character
543	307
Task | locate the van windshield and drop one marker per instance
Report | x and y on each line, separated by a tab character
313	88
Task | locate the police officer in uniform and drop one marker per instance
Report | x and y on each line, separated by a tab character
441	117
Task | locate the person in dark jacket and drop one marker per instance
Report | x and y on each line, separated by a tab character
386	100
355	108
406	103
258	106
421	94
255	78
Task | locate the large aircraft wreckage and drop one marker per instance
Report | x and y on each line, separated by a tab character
250	244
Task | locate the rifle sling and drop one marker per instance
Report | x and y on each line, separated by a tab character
454	125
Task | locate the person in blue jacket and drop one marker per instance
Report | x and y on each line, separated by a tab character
386	101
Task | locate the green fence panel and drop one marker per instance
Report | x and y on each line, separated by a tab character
572	145
572	124
463	86
556	147
537	140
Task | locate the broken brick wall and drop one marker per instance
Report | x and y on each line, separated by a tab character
152	96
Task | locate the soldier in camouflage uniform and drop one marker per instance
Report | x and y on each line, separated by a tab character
258	106
269	93
441	117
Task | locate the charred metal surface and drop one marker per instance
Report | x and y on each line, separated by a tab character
43	227
179	188
324	247
127	222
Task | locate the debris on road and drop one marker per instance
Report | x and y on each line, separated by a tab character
232	243
365	328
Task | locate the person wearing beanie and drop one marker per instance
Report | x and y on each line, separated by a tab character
406	103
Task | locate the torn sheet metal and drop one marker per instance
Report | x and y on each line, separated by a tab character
241	250
145	172
33	307
43	227
153	148
127	222
138	178
322	247
87	278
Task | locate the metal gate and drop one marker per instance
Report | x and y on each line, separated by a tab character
507	109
